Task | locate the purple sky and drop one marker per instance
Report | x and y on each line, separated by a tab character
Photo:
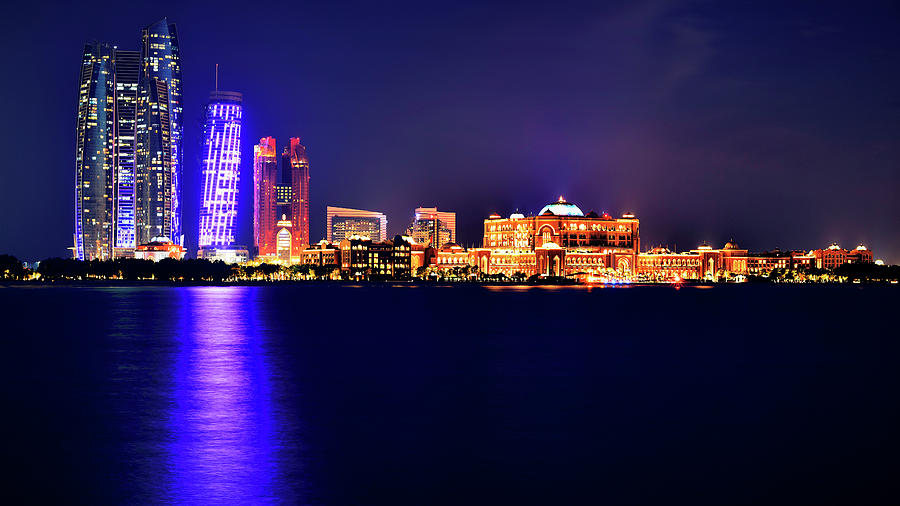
777	125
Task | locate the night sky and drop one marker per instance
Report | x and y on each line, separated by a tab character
773	123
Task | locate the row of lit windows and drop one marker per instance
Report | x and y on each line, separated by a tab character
596	227
585	260
505	227
667	262
502	260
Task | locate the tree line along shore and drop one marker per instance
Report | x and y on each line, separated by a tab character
205	271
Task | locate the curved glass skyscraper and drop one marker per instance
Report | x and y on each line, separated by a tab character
159	135
221	167
94	148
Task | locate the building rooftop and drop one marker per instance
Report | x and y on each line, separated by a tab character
561	208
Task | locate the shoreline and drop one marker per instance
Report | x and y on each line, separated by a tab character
411	283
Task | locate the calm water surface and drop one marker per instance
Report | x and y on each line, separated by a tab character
322	394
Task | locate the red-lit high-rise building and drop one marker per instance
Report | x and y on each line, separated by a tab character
265	217
294	160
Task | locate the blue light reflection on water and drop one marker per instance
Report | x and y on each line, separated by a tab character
724	395
223	447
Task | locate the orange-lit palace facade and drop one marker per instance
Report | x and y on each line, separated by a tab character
558	241
562	241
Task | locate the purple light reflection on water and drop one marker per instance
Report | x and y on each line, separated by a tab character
223	446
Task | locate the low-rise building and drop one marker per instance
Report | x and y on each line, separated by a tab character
322	254
834	256
559	241
397	259
661	264
562	241
229	255
450	256
159	248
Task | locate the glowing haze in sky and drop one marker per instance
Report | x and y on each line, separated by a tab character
773	123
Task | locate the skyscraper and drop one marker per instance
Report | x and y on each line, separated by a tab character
153	182
221	169
295	160
284	191
127	72
265	171
94	148
343	222
159	135
128	149
432	227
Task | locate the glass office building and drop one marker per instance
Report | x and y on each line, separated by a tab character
160	135
153	182
431	227
343	222
128	145
94	148
127	72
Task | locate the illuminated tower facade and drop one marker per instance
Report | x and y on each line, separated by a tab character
159	132
127	72
265	172
221	169
94	154
296	161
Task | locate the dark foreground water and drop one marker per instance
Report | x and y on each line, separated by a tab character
321	394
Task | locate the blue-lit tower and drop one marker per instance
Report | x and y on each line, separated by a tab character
127	73
221	168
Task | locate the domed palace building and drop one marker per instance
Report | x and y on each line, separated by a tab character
559	240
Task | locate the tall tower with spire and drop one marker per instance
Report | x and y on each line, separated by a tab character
159	136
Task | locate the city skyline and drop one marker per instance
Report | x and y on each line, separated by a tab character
762	177
470	252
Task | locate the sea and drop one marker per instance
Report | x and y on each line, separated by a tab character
323	393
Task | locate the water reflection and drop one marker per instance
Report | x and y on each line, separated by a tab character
223	446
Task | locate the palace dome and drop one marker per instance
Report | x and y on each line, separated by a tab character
561	208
